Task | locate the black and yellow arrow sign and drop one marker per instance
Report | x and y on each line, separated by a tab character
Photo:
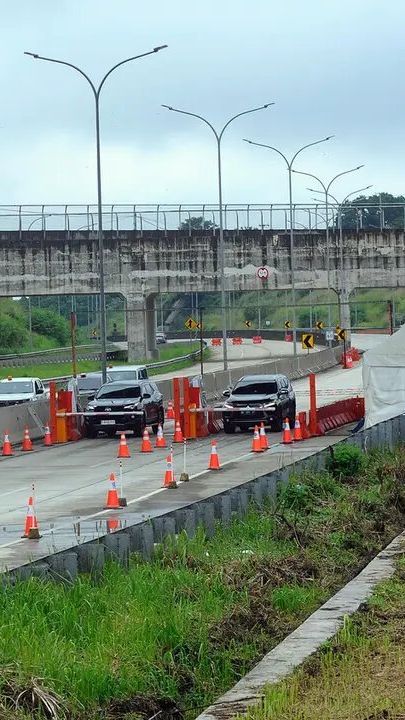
248	323
191	324
307	341
341	334
287	324
320	325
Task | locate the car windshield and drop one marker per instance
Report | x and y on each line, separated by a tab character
89	383
15	388
119	393
256	388
117	375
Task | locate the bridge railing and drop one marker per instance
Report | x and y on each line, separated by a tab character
188	217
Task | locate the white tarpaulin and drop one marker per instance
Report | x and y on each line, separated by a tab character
384	379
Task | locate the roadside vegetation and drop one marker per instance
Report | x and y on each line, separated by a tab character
169	636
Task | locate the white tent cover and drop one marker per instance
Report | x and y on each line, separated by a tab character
384	379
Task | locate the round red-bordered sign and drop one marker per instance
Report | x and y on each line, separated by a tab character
262	273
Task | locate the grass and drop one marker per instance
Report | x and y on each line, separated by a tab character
56	369
359	674
188	625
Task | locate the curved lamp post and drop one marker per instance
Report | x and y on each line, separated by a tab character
96	92
218	136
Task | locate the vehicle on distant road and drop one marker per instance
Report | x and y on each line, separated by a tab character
14	391
259	398
161	338
141	404
127	373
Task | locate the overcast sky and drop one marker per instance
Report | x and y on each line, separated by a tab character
331	67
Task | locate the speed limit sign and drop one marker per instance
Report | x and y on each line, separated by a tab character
262	273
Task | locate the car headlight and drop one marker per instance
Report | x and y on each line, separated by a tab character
228	405
269	406
132	406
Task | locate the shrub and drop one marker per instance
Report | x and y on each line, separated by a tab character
345	461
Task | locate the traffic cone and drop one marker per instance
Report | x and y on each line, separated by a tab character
146	446
214	459
264	443
170	411
169	480
47	436
160	439
7	447
256	441
178	435
123	449
297	430
304	428
113	525
31	529
113	501
287	439
27	442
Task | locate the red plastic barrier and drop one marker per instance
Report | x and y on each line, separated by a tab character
237	341
216	341
340	413
257	339
288	337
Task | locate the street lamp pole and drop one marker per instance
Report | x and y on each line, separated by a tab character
290	164
96	92
326	189
218	137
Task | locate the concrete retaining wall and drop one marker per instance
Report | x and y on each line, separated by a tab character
33	415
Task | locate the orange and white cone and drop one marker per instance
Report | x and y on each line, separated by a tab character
113	501
113	524
123	449
297	430
146	446
31	529
178	435
47	437
169	480
256	441
160	439
170	411
7	447
27	442
214	459
264	443
287	439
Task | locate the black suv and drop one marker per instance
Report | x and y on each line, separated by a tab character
259	398
141	396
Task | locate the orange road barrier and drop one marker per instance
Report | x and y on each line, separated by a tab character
302	416
257	339
47	437
214	459
31	529
113	501
27	442
256	441
297	430
216	341
160	438
146	446
178	435
237	341
264	443
123	449
287	439
113	525
169	480
7	447
170	411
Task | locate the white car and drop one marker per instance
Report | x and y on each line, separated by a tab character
127	373
14	391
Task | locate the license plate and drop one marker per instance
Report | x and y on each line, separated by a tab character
108	422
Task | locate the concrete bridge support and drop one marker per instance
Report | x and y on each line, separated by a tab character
141	326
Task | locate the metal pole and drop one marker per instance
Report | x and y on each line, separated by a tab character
292	261
30	321
328	259
103	328
200	320
222	256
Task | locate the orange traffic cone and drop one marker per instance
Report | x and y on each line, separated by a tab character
7	447
302	416
146	446
169	480
178	435
47	436
113	525
287	439
113	501
160	439
170	411
214	459
27	442
123	449
256	441
31	529
264	443
297	430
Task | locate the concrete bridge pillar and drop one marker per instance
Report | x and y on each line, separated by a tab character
141	327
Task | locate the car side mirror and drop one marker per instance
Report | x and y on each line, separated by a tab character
226	393
146	396
40	391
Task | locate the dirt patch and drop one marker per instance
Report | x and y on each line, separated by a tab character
259	574
256	619
143	707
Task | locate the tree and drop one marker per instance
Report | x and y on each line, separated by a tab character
49	323
197	223
372	215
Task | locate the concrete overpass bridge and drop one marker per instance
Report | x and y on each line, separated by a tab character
139	264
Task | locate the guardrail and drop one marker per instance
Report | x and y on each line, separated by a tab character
83	352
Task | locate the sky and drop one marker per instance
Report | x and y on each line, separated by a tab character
330	67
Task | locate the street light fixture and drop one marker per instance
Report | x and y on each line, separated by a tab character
96	92
218	137
290	164
326	189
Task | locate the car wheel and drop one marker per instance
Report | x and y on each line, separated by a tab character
140	426
111	432
277	424
293	411
161	421
90	431
229	428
